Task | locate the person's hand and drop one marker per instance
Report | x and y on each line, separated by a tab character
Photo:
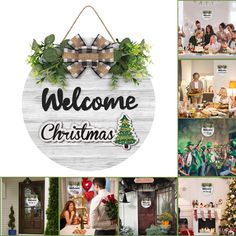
72	213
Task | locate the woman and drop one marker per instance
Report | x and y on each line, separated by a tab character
221	35
196	87
221	97
196	40
230	29
68	214
232	107
181	35
208	34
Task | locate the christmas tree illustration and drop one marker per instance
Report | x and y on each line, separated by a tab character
125	135
228	220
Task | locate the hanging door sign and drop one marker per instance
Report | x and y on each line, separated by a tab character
88	103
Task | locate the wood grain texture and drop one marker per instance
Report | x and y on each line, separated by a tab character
88	156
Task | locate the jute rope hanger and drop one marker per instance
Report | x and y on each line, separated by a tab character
88	6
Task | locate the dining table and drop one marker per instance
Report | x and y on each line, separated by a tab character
70	229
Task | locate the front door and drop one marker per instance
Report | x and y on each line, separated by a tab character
146	211
31	208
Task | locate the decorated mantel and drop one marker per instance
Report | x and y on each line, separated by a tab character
88	102
206	216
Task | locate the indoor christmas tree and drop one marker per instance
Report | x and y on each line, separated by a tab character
228	220
52	210
125	135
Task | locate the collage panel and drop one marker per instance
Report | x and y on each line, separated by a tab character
207	147
89	206
29	206
207	206
207	89
148	206
206	29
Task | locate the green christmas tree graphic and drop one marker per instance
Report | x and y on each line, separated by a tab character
125	135
228	220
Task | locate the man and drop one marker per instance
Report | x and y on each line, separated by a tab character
203	162
196	88
99	219
213	46
191	158
196	40
199	27
211	157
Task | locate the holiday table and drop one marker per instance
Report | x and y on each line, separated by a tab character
69	229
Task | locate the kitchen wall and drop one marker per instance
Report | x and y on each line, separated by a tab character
10	197
190	11
208	68
190	189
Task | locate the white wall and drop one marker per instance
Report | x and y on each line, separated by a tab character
190	189
208	67
222	80
46	196
129	211
192	11
11	198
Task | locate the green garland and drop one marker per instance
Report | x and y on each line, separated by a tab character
131	61
47	62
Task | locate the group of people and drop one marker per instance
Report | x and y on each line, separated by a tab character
224	40
207	160
98	217
221	96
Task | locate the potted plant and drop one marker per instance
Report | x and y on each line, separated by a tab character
11	223
154	230
165	218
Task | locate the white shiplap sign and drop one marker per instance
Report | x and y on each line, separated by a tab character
75	151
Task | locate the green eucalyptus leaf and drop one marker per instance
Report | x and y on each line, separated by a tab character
125	41
49	39
35	45
50	55
59	51
118	54
116	70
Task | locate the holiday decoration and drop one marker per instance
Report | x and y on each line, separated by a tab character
98	56
89	195
195	214
52	210
79	89
209	214
228	220
202	215
87	184
125	135
122	58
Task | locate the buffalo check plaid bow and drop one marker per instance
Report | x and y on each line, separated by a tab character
98	56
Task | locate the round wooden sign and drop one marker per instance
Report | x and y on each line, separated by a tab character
88	125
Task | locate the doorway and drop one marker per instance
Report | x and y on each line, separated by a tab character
31	208
146	211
